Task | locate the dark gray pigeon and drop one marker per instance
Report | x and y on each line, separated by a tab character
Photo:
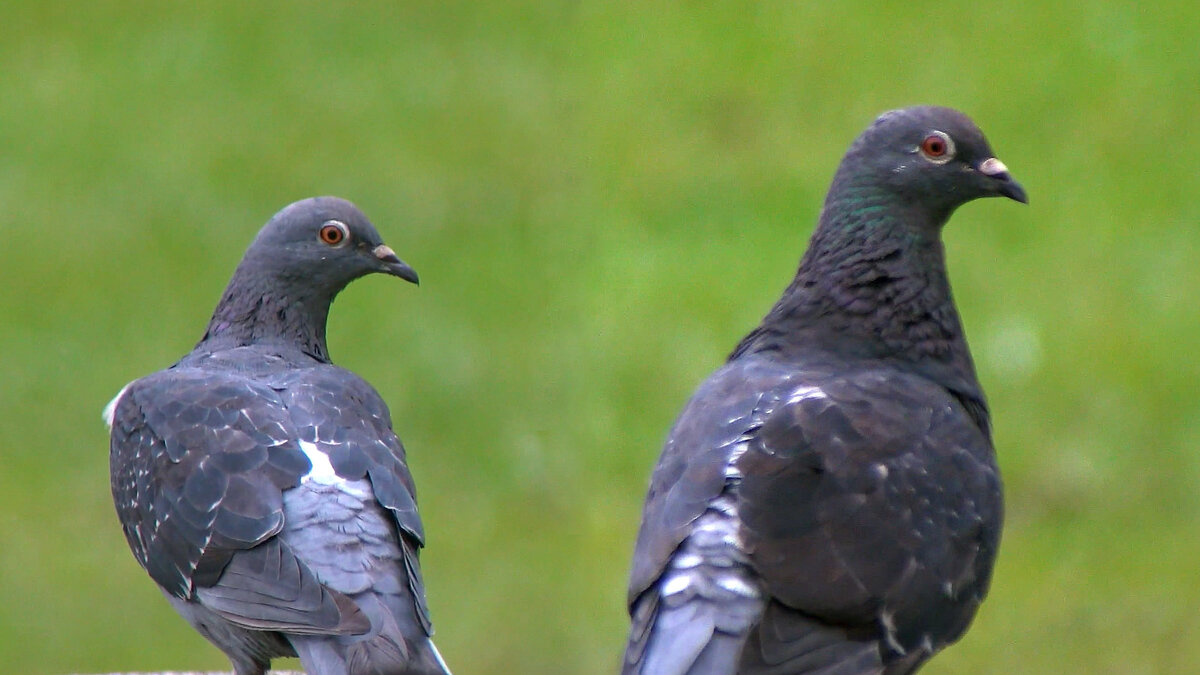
828	501
261	486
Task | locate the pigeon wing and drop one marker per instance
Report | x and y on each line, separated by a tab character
199	461
871	505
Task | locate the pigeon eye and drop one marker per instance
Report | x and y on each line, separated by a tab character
937	147
334	233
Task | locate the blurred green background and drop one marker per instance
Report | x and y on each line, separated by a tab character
601	198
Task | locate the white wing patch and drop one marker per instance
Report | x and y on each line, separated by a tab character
731	470
804	393
888	621
110	410
712	561
676	583
322	472
801	393
737	585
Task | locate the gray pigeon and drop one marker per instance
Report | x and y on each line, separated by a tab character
828	501
261	486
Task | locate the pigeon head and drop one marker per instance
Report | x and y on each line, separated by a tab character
301	259
323	242
873	281
929	159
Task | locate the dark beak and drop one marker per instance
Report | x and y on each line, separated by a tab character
1005	185
393	265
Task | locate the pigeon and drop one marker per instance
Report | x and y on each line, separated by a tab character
262	487
828	502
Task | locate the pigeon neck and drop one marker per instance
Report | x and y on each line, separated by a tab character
258	309
872	285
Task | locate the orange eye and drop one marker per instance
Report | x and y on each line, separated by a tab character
333	233
934	146
938	147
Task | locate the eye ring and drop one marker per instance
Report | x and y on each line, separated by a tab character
334	233
937	147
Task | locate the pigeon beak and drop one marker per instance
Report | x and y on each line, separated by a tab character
995	169
394	265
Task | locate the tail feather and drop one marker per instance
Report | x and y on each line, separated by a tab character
377	656
396	645
320	656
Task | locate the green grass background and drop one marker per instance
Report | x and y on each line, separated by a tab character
601	198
